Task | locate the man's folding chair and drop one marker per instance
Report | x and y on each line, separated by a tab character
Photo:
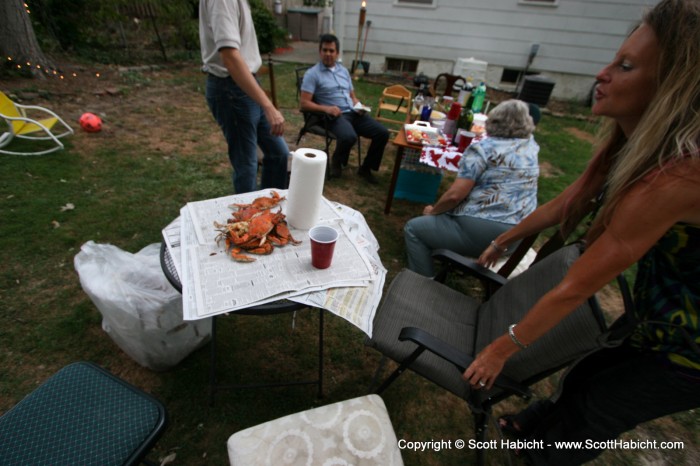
318	123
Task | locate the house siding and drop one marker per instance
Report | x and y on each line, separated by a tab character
576	37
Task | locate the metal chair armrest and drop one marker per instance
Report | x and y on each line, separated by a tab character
468	266
460	360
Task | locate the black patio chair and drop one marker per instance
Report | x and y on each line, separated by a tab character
451	262
436	331
444	84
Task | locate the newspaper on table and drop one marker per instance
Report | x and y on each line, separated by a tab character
214	284
357	305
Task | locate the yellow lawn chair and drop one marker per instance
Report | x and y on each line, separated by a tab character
22	126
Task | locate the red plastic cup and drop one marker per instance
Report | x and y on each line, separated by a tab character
454	111
465	138
323	239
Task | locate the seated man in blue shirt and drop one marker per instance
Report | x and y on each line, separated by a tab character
327	87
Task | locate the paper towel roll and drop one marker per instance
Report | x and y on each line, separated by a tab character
306	187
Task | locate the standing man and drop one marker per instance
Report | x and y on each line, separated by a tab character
246	115
327	87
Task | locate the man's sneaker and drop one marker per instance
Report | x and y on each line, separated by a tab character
366	173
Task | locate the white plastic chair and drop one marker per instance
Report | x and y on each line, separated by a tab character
20	125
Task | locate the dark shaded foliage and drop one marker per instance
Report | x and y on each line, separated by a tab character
105	31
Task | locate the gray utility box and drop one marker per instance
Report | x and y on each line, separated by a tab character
305	23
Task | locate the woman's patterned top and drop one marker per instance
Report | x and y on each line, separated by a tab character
667	289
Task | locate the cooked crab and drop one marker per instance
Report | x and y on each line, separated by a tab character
255	229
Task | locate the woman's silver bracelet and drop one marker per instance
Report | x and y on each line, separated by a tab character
511	332
498	248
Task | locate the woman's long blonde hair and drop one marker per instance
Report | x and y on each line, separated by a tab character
669	128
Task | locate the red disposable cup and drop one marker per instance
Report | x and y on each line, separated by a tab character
323	239
465	138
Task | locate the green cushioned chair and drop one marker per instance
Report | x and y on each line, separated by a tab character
82	415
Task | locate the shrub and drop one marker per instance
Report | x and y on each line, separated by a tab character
270	35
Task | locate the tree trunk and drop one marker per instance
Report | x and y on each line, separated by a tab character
18	41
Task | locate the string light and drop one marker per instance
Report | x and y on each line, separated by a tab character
47	70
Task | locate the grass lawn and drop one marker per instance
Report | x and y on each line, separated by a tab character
160	149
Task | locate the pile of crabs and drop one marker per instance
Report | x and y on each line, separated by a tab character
255	228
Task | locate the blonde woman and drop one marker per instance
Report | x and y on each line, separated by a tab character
646	178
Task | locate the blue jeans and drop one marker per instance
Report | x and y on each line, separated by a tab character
245	127
463	234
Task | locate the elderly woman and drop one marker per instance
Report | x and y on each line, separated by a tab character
646	178
496	187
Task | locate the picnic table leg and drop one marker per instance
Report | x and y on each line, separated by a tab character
394	178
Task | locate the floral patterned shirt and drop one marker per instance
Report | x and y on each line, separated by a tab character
505	173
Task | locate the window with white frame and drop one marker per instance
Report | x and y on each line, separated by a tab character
540	2
415	2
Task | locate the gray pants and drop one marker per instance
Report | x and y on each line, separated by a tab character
463	234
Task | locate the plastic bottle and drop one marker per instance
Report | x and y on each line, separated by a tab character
426	111
466	119
418	101
446	104
479	96
465	93
450	128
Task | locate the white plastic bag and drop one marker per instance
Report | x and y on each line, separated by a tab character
141	311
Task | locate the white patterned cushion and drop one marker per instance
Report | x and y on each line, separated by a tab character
352	432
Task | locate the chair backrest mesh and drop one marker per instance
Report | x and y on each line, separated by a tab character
573	337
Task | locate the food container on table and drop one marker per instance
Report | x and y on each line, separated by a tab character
439	125
437	116
421	133
479	124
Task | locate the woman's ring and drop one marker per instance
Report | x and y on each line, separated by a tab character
482	383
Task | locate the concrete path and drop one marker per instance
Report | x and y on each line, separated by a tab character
297	52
